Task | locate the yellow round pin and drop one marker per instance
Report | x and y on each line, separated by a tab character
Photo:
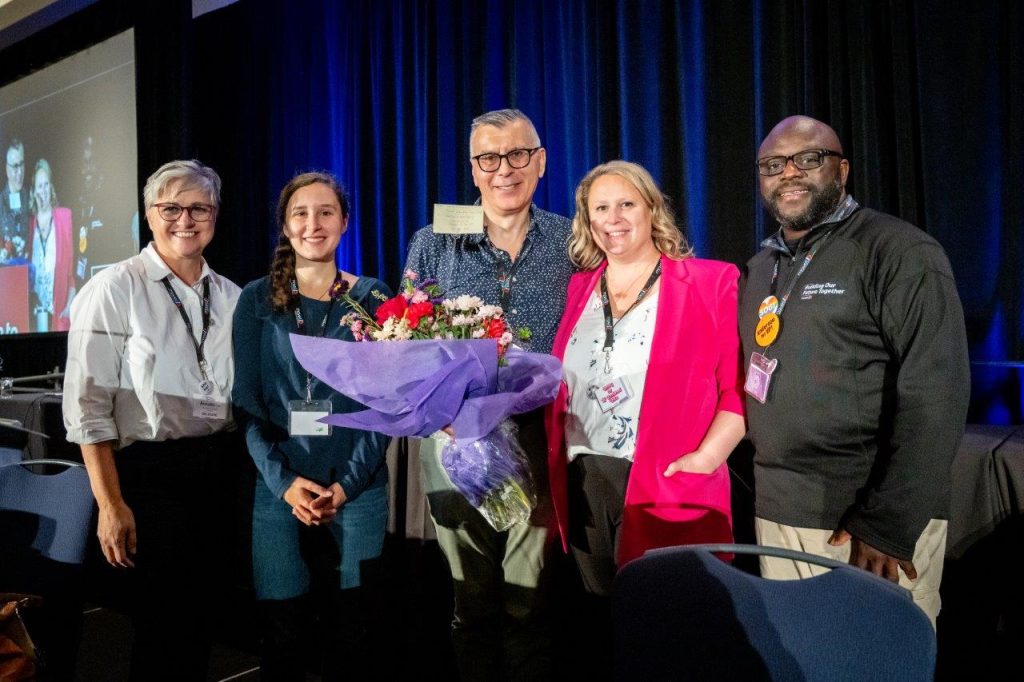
767	330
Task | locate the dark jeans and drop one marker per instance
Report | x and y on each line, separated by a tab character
318	588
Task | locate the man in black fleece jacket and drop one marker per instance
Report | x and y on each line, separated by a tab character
857	373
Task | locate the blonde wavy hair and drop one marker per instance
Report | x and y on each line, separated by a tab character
668	238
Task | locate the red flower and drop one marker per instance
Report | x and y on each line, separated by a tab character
495	328
393	307
418	310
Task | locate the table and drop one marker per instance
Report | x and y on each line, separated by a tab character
39	412
988	485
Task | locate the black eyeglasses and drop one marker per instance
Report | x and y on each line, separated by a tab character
197	212
808	159
517	158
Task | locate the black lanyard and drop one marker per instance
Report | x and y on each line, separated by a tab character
505	276
199	345
609	322
337	289
300	322
803	266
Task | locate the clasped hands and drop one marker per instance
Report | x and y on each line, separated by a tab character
312	503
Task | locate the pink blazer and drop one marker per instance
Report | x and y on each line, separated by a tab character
695	371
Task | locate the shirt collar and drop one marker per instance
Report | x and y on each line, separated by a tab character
481	237
843	211
156	269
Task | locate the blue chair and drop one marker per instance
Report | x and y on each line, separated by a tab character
45	519
10	455
681	613
57	507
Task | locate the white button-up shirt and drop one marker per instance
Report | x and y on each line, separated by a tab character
132	370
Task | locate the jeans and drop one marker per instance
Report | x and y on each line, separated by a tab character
286	553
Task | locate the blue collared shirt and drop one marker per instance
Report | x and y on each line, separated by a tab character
537	280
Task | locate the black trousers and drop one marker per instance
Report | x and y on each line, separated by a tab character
597	494
180	492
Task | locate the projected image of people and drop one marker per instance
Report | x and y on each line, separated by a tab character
53	277
92	238
14	207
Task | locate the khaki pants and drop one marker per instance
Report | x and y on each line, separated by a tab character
500	629
929	554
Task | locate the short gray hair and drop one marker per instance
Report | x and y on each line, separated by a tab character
190	173
499	118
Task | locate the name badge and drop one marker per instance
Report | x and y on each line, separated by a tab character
209	407
759	376
455	219
611	393
303	416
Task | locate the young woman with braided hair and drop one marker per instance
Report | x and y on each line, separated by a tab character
321	508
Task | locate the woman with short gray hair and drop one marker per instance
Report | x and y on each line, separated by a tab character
147	396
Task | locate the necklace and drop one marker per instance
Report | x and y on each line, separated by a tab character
326	292
624	294
336	289
322	296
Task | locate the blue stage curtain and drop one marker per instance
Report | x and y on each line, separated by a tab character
925	95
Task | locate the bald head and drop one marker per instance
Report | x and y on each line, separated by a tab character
801	198
807	132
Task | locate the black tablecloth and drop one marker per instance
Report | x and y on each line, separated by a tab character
39	412
988	484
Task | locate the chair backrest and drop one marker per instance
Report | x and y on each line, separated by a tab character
55	510
10	455
681	613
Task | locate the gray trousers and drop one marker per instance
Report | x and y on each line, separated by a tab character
500	628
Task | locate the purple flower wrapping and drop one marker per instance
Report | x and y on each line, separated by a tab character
480	467
415	388
493	474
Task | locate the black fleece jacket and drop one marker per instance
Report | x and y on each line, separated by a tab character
867	405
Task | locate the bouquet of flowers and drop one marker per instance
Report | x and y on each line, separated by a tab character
460	368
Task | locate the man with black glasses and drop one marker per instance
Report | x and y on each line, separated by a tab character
518	260
14	206
857	373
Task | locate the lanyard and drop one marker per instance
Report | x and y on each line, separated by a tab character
609	322
199	345
300	322
803	266
505	276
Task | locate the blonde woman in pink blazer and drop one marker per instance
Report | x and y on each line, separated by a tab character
651	404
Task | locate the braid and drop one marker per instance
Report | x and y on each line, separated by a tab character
282	272
282	268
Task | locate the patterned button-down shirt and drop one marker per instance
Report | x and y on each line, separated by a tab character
531	289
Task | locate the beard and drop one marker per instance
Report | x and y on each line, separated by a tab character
823	202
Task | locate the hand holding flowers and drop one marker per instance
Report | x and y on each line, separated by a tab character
462	371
